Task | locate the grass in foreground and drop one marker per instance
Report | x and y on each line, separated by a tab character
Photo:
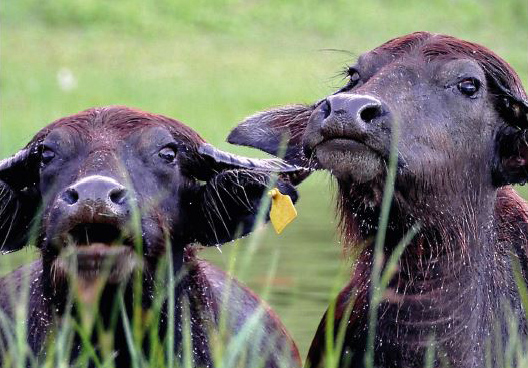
211	63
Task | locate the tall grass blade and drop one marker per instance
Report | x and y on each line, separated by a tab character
128	334
375	292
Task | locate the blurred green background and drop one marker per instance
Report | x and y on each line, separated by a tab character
210	63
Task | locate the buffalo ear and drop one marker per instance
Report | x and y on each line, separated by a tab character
227	206
19	200
512	167
512	143
270	130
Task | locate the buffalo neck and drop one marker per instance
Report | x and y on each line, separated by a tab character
454	283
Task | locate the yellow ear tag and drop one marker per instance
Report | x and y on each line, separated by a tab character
282	210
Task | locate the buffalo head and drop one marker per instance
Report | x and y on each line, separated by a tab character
459	113
93	186
459	110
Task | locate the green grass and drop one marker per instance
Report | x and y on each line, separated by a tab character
210	64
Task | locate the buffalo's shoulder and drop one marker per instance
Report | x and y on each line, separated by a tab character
23	284
22	293
511	212
242	315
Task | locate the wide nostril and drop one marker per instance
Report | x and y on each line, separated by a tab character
118	195
70	196
326	109
370	113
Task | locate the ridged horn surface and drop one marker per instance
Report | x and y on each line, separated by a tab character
235	161
10	162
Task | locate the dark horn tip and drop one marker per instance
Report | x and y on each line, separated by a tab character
15	160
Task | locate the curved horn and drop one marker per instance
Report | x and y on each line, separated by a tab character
16	171
229	160
14	161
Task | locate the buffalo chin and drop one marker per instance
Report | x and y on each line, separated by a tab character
88	268
349	160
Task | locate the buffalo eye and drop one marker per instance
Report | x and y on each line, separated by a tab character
469	86
46	156
354	78
168	154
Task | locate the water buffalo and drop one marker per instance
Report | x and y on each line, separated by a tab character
107	193
461	115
